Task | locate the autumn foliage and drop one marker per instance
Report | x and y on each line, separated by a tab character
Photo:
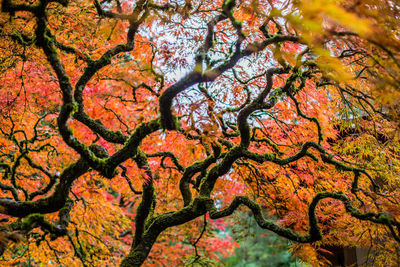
130	131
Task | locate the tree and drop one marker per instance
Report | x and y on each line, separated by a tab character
208	106
258	247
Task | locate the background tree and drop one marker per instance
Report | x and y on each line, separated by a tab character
121	121
257	247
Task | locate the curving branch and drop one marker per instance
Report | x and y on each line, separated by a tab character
314	232
57	199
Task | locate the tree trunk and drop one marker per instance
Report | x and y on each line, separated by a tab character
137	255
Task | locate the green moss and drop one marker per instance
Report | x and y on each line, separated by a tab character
229	5
384	218
237	23
203	203
141	159
71	107
151	217
135	258
65	209
171	123
105	60
29	222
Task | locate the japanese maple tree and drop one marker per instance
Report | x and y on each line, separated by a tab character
132	130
